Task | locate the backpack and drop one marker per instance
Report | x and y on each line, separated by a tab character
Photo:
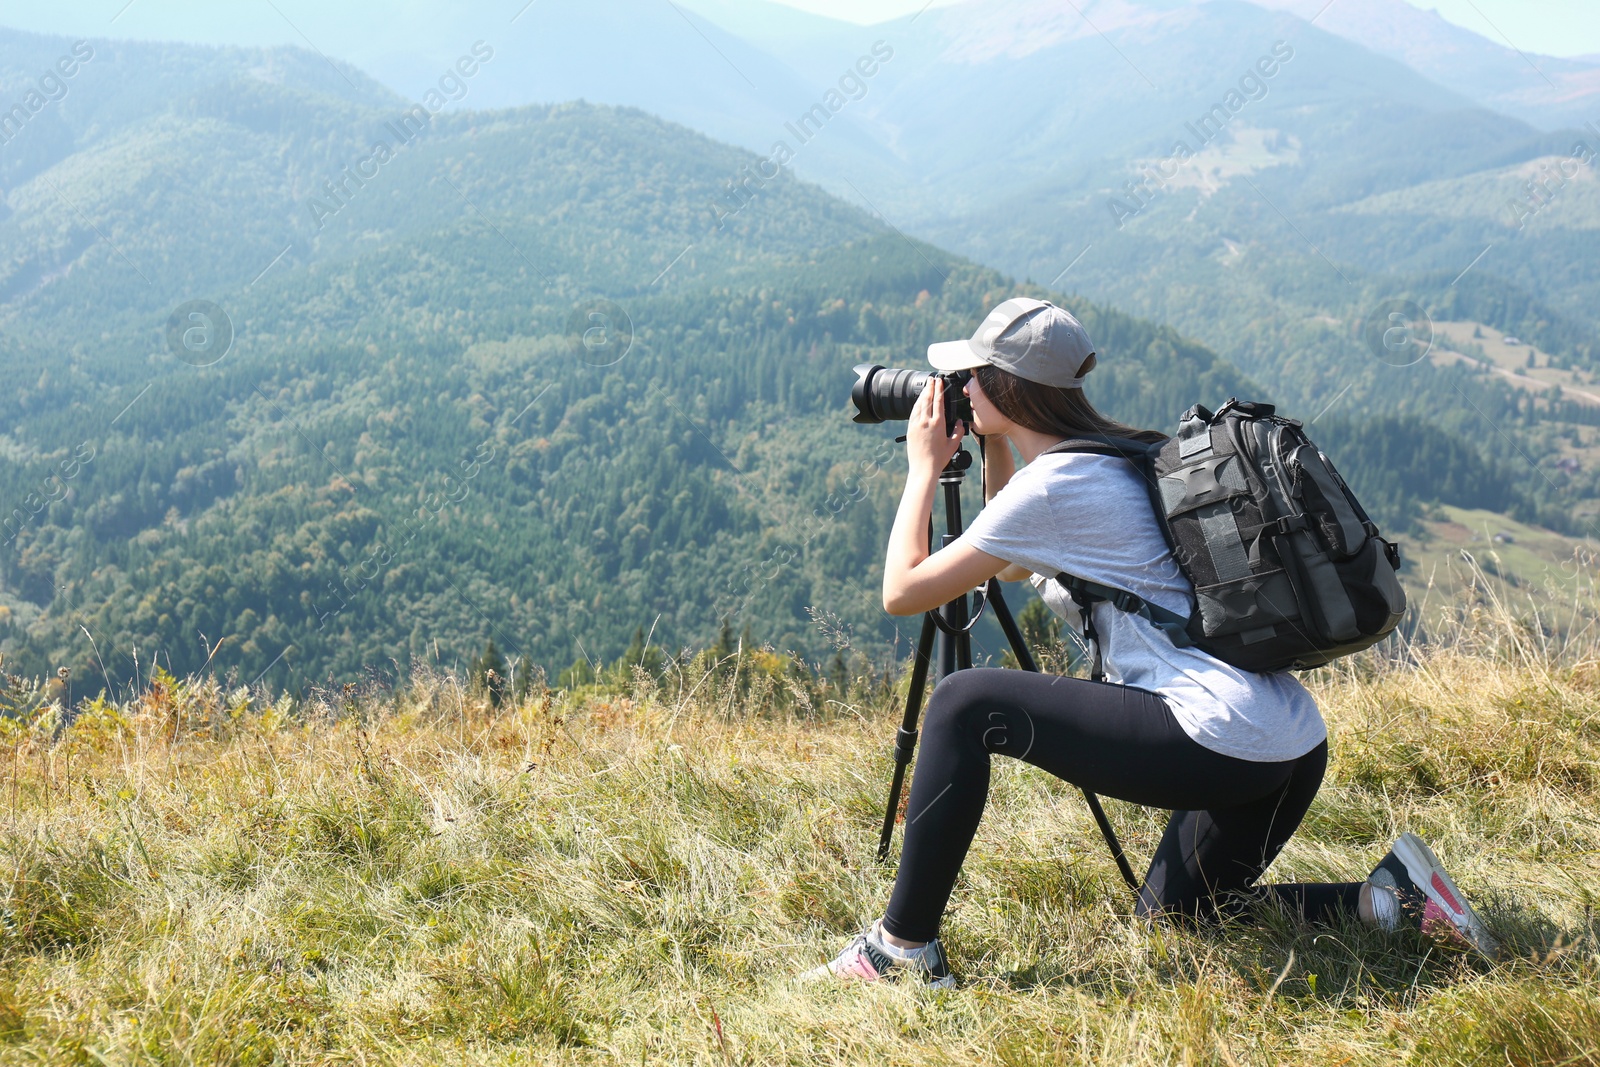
1288	571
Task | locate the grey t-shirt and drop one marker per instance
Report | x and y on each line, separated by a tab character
1089	515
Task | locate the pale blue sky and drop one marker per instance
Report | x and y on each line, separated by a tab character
1550	27
1553	27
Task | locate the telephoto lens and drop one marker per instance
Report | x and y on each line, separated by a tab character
886	394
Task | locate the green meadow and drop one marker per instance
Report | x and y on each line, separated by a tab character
633	871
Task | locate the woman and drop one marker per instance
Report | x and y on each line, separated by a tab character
1237	756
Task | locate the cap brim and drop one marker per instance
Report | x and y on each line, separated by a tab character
954	355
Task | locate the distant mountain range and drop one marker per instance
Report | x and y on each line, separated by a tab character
1549	92
1010	132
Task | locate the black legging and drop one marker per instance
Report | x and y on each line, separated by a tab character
1230	817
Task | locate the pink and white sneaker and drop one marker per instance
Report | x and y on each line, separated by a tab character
1428	899
868	958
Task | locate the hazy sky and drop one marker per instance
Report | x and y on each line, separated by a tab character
1551	27
1554	27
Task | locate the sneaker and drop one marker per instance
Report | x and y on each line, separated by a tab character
868	958
1427	897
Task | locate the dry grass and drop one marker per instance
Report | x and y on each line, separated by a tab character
196	876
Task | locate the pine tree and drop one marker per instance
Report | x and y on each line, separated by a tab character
1041	631
581	673
635	650
1039	625
838	674
522	678
488	673
639	654
724	646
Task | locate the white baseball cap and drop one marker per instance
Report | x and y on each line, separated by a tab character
1032	339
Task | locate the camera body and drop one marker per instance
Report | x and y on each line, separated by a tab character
883	394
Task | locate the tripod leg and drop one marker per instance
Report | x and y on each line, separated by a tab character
963	643
1019	647
1102	821
905	741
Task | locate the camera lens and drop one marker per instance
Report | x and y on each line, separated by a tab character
883	394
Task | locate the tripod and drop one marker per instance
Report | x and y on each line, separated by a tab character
953	623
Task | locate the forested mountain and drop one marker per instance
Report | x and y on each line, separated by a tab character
408	448
1042	140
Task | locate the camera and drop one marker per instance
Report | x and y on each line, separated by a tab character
882	394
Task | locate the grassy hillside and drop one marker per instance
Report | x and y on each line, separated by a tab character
206	874
1565	197
1522	365
1456	551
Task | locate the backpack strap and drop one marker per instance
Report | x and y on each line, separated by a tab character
1086	594
1097	444
1139	453
1078	589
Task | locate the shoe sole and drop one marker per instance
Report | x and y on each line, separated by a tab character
820	973
1426	872
817	974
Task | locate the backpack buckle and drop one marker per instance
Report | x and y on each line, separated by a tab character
1125	601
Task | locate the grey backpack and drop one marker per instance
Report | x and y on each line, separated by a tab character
1288	570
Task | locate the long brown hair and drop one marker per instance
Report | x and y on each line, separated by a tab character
1051	409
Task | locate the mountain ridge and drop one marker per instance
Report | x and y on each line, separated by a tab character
1547	91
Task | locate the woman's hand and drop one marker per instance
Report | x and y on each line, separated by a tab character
914	581
928	448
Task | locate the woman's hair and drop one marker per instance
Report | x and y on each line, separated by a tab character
1051	409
